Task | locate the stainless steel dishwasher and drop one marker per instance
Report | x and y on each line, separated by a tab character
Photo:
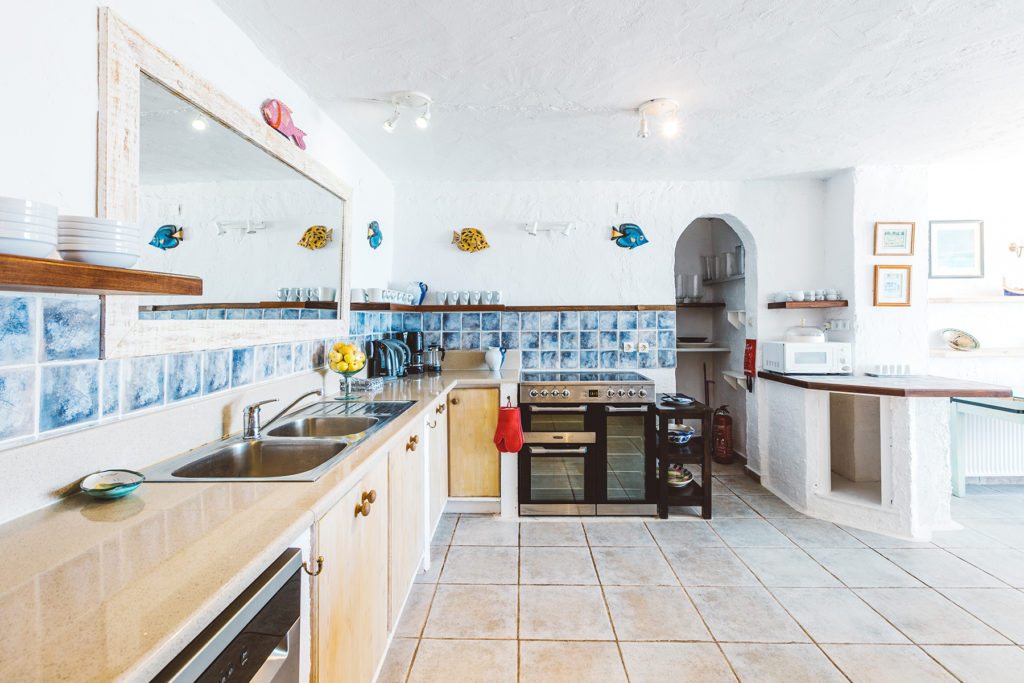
255	639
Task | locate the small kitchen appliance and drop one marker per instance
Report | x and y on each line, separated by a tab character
432	358
808	358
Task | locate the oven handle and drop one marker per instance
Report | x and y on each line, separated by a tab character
632	409
540	450
558	409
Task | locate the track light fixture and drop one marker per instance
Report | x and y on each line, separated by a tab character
665	110
409	99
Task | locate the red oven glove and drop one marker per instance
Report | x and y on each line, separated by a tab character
508	437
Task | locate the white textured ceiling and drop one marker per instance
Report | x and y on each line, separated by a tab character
541	89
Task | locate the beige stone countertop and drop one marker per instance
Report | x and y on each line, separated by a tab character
908	386
111	590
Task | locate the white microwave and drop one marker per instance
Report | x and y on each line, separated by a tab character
808	358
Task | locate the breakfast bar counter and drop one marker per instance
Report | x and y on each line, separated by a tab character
916	386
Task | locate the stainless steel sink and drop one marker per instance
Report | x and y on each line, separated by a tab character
324	426
261	460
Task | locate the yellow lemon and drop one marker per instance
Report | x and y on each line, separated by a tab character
361	357
349	357
339	346
342	367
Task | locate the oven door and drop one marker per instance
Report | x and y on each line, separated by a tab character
627	482
556	464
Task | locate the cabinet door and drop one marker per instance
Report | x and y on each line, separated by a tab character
408	514
437	452
474	463
353	586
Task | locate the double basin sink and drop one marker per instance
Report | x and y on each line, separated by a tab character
301	447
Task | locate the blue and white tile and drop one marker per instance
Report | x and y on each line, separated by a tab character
609	341
184	375
510	340
531	360
648	359
309	314
489	339
608	320
69	394
144	382
216	370
471	322
452	340
284	359
510	321
220	314
569	360
452	322
667	320
17	330
589	360
147	315
197	314
289	313
667	340
273	314
649	337
549	360
431	322
666	359
548	341
628	337
530	320
257	314
470	341
529	340
331	314
569	341
548	320
71	329
243	366
178	315
648	320
432	339
318	352
490	322
589	320
18	402
110	391
627	320
627	360
569	320
589	340
266	362
609	360
236	314
412	322
303	356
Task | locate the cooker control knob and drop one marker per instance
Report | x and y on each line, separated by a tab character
611	392
641	393
631	393
533	393
543	393
622	392
566	393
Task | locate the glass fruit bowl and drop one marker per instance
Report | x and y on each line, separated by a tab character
346	359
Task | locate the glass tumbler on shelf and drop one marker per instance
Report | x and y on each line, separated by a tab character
696	288
680	287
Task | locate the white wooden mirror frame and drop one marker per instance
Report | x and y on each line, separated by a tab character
124	56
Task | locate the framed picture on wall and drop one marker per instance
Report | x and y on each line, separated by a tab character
956	249
892	285
894	239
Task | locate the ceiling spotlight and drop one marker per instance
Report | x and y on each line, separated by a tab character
664	109
199	123
423	120
390	124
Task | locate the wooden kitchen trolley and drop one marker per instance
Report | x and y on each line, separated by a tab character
697	451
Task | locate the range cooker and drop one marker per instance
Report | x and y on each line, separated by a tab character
588	447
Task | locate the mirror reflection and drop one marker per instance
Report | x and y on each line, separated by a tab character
260	234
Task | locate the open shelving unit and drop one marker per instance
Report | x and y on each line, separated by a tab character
26	274
697	451
839	303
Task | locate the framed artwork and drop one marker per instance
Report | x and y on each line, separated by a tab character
892	285
894	239
956	249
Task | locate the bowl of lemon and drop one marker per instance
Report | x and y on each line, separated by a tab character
347	360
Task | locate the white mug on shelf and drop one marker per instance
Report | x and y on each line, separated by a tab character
474	298
487	297
496	296
440	297
375	295
464	297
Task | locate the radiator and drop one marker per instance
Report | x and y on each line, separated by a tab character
993	448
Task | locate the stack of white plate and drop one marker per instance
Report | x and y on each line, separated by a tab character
99	241
27	228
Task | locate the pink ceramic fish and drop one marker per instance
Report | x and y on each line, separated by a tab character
279	116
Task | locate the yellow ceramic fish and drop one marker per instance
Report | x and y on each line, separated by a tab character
470	239
316	237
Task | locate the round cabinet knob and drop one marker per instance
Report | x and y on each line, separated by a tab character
642	393
631	393
543	393
533	393
566	393
611	392
622	392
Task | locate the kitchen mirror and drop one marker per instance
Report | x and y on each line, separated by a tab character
174	153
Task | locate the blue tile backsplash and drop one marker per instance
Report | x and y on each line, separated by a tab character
17	404
69	394
184	376
17	336
71	329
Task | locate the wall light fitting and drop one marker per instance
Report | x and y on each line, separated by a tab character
663	109
199	123
409	99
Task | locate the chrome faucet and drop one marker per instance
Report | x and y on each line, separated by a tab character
251	427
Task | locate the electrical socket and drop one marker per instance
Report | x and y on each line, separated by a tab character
840	324
643	347
628	347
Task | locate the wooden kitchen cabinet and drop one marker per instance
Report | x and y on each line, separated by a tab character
437	454
407	483
474	465
352	587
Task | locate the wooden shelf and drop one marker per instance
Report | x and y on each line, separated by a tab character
426	308
989	299
707	349
995	352
722	281
433	308
25	274
702	304
622	307
841	303
316	305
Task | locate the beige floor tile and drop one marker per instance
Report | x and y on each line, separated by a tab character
675	662
882	541
731	506
473	612
601	533
816	533
788	567
684	534
863	568
750	533
783	663
772	506
1006	564
445	529
552	533
981	663
941	569
745	614
836	615
465	661
709	567
742	484
414	614
563	613
1010	532
965	538
886	664
396	663
926	617
437	555
486	531
633	567
654	613
1000	608
481	564
557	662
557	565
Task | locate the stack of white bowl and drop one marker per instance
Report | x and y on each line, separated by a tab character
99	241
27	228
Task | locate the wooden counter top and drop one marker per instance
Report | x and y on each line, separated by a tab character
911	386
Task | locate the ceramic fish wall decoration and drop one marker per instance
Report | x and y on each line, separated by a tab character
279	117
167	237
470	240
316	237
374	235
629	236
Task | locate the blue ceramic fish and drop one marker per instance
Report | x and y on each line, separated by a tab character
629	236
167	237
374	235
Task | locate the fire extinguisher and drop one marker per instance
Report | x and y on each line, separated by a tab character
721	436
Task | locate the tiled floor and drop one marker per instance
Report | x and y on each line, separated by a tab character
759	593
